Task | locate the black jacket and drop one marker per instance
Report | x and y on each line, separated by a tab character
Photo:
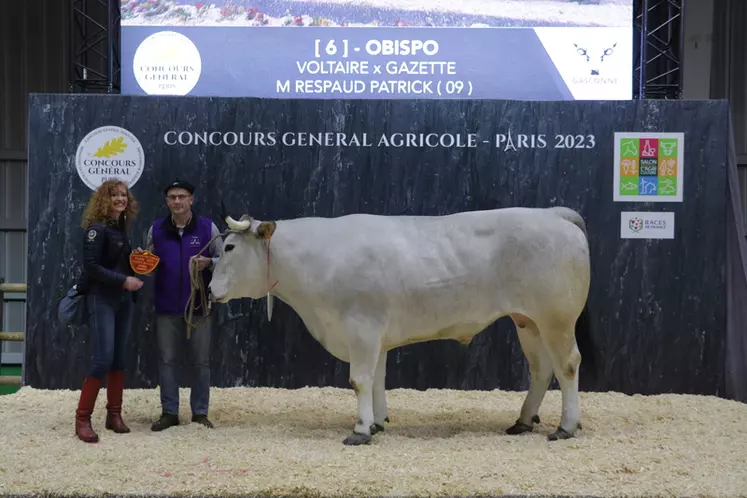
106	258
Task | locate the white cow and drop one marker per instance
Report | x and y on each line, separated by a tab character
364	285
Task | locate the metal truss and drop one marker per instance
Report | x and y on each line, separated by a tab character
658	42
94	45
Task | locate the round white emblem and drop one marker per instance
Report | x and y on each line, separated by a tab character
109	152
167	63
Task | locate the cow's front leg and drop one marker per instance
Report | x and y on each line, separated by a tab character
364	356
379	395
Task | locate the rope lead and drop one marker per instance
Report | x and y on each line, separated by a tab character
197	286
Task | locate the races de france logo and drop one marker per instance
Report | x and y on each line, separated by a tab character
109	152
635	224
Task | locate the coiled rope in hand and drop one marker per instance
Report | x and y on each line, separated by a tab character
197	286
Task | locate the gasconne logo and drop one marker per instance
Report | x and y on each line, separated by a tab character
109	152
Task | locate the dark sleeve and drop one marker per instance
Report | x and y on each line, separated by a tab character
94	243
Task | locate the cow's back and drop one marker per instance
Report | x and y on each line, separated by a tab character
479	266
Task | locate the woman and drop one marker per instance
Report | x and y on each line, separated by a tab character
110	286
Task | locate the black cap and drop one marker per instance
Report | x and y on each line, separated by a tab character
180	184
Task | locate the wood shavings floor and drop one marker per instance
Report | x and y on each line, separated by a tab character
439	442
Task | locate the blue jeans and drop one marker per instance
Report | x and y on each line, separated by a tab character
109	320
171	331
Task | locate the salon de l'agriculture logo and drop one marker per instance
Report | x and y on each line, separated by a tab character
649	167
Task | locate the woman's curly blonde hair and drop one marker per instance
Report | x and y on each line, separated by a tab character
100	203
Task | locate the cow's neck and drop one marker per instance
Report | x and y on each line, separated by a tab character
285	264
293	265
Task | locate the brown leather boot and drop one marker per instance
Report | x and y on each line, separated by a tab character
114	388
88	394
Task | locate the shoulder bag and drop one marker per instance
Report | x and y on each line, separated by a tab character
71	309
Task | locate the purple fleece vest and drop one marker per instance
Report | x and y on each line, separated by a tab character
172	287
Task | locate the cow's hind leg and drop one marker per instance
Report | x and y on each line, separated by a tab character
540	371
560	342
364	356
379	395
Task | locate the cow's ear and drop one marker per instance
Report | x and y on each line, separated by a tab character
266	229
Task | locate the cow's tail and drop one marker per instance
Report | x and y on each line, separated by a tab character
584	338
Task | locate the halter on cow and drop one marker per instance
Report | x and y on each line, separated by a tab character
365	284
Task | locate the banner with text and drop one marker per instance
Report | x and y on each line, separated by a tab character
526	50
283	159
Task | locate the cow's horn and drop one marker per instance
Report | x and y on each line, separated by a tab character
238	225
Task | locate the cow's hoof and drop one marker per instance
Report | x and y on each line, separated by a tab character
521	428
356	439
518	428
560	433
376	428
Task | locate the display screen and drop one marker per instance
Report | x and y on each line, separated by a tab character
379	49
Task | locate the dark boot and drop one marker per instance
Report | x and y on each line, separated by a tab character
88	394
167	420
203	419
114	388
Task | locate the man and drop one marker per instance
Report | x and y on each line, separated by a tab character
176	240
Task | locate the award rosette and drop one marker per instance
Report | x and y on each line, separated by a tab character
144	262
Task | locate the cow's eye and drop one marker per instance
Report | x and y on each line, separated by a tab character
229	247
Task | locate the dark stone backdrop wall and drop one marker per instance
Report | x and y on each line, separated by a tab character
657	308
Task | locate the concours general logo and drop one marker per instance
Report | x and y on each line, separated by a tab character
109	152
